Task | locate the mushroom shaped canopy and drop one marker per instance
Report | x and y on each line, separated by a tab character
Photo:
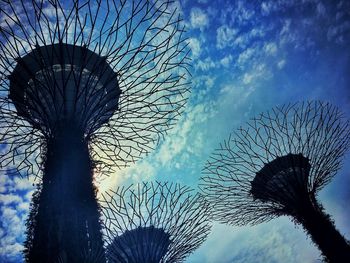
116	68
60	84
139	245
283	180
160	222
267	168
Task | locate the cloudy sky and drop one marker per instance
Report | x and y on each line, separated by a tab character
248	56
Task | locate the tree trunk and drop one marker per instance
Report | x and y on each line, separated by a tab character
322	231
66	226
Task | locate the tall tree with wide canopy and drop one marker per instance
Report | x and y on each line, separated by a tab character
275	166
85	86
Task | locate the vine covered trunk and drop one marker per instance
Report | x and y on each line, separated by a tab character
65	226
335	248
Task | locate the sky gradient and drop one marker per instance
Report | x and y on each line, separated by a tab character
247	57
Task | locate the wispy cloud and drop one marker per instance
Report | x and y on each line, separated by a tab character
198	18
225	36
14	208
275	241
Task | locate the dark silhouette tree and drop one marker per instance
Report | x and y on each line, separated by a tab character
85	86
154	222
276	166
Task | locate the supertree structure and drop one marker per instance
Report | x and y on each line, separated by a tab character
85	86
275	166
154	222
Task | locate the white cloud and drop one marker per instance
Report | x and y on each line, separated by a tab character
183	143
23	183
24	206
266	8
8	213
270	49
259	72
321	9
336	32
11	250
11	235
204	82
199	18
225	36
179	143
239	93
275	241
245	56
205	64
225	61
3	188
111	182
281	64
14	209
209	81
248	78
3	178
29	194
195	46
6	199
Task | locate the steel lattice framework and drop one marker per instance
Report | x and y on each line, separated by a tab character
154	222
146	62
276	165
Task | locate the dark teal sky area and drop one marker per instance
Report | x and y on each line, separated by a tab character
247	57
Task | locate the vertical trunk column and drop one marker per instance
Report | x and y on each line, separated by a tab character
323	232
67	223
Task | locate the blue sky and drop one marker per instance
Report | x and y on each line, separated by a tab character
248	56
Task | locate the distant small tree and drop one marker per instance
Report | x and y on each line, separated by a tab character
154	222
276	166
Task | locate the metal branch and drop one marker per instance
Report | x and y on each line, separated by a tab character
142	42
152	221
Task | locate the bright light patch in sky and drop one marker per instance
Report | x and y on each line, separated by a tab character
248	56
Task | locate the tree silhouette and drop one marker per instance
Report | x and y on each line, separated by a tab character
154	222
276	166
85	86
